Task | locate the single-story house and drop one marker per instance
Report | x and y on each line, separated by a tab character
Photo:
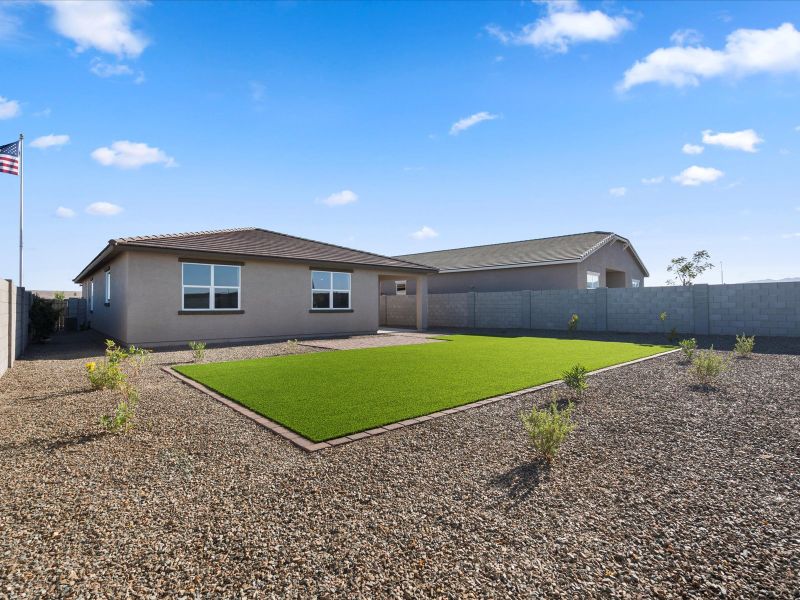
578	261
237	285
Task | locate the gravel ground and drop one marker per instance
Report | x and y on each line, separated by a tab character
663	490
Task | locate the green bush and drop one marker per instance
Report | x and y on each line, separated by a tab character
121	421
572	324
744	345
108	375
43	317
688	348
198	350
707	366
575	378
548	428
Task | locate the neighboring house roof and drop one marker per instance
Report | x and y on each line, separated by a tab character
539	252
251	242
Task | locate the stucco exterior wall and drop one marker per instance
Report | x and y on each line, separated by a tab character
111	319
611	256
275	300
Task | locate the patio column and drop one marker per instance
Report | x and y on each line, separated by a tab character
422	302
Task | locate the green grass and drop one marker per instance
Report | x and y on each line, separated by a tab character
330	394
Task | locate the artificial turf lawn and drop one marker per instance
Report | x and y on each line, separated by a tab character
325	395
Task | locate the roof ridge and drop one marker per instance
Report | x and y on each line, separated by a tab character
550	237
159	236
297	237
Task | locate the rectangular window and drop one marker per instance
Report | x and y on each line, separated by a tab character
400	288
211	287
108	287
592	280
636	283
91	295
330	290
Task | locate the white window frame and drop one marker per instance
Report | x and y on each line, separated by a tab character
211	287
91	295
107	282
397	289
331	291
637	283
596	274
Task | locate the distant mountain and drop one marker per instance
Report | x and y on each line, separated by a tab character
787	279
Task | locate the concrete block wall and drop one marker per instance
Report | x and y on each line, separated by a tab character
638	311
753	308
14	316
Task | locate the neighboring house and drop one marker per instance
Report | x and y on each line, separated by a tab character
579	261
51	294
236	285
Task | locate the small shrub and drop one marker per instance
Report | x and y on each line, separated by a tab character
744	345
673	335
43	318
292	344
198	350
575	378
138	357
707	366
663	316
121	421
548	428
688	348
105	376
572	324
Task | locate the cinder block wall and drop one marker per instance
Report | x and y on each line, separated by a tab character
753	308
14	317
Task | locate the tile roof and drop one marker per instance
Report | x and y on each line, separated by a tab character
258	243
563	248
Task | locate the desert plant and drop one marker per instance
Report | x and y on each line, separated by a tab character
292	344
672	334
121	421
548	428
572	324
138	358
744	345
43	318
688	348
575	378
109	373
707	366
198	350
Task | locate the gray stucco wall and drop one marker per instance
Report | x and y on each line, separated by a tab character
613	256
753	308
275	298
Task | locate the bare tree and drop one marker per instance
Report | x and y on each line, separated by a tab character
688	269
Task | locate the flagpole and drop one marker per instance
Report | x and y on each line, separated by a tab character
21	206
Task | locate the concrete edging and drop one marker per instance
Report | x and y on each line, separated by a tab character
311	446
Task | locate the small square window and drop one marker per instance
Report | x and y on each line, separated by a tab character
636	283
592	280
400	288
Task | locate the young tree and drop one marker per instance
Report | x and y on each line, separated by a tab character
689	269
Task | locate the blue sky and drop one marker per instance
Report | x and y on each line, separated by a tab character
406	127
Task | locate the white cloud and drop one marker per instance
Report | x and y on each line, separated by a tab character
653	180
684	37
788	236
258	91
341	198
64	213
565	24
48	141
697	175
9	108
131	155
104	25
746	52
425	233
692	149
104	209
468	122
745	140
618	191
43	113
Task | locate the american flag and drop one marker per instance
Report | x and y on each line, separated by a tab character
9	158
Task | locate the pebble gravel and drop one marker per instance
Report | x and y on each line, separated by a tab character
664	490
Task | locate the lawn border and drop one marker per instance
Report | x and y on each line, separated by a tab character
312	446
